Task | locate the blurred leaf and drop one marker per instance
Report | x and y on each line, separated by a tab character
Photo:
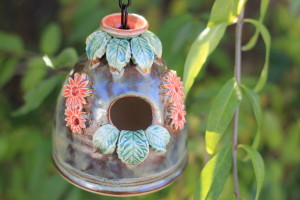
221	60
294	7
87	11
213	176
74	194
221	113
35	97
36	71
198	53
11	43
51	39
38	163
17	183
67	58
7	70
267	39
271	128
258	165
292	141
263	9
4	146
53	187
254	100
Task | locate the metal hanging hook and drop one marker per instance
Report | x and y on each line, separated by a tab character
124	13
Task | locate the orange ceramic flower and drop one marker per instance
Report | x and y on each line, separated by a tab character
178	116
76	91
75	120
174	88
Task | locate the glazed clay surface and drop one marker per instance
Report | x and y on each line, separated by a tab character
86	166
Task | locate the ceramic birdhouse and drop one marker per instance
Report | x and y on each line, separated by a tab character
120	119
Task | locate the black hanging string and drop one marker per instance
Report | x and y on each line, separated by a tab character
124	13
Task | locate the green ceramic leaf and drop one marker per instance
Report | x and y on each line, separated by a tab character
118	53
158	138
258	165
92	35
142	54
154	42
96	44
221	113
213	176
133	147
105	138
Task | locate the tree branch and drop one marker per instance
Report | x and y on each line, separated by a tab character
237	71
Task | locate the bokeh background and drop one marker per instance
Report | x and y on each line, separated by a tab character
31	29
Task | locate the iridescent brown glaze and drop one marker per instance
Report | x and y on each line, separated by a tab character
122	94
85	166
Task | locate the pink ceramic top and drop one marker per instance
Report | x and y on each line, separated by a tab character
136	23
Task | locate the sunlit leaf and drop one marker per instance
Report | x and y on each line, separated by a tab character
51	39
198	53
213	176
35	97
7	70
263	9
221	113
258	165
225	11
11	43
254	100
267	39
223	14
177	33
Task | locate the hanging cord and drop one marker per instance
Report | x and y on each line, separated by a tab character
124	13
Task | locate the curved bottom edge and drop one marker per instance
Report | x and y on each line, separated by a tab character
147	188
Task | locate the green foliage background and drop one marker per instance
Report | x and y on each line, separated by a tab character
32	29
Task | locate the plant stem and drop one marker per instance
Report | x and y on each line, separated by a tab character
238	58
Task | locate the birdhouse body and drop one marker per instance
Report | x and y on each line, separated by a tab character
119	127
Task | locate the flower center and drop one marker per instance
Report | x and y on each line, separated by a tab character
76	121
74	91
179	117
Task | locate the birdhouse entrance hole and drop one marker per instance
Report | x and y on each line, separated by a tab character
130	113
